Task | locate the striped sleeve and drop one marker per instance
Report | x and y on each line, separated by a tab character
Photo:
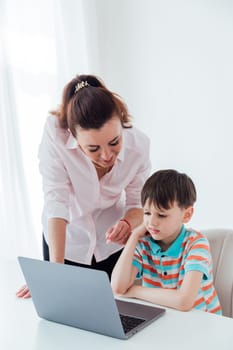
137	260
198	257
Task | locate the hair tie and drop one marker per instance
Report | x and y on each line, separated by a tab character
80	85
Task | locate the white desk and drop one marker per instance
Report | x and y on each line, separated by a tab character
22	329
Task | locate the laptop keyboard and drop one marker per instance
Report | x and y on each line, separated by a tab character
129	322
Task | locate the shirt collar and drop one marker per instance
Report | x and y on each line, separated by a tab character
121	155
71	142
175	247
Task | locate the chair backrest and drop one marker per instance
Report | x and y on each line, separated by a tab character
221	247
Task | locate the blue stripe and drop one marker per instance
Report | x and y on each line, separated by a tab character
200	250
201	306
213	304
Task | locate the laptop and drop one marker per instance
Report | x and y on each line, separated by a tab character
83	298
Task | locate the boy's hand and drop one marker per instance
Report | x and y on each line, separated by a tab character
139	231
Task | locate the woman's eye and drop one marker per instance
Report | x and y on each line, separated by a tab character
93	149
146	213
162	215
114	143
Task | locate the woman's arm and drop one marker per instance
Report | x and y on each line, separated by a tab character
182	299
120	232
134	216
56	239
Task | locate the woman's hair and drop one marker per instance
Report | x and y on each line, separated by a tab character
87	103
165	187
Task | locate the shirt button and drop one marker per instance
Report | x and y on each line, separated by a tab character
162	256
165	273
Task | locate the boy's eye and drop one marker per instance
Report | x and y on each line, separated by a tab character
162	215
146	213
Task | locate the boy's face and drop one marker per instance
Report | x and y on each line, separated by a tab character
164	225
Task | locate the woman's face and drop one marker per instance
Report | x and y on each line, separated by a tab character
102	145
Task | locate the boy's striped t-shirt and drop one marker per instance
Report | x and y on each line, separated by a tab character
166	269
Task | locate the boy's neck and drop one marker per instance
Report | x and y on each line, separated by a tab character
163	246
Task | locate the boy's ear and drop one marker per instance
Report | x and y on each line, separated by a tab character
188	213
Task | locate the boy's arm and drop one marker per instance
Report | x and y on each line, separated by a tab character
182	299
124	273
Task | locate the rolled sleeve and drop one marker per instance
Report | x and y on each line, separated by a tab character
133	190
56	182
57	210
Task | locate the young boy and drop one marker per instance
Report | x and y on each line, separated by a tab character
173	262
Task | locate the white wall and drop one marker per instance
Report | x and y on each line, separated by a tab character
172	61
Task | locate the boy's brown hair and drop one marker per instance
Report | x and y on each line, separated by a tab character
165	187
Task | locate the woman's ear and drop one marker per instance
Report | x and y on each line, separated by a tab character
188	213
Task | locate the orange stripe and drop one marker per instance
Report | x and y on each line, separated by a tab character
216	309
161	275
156	261
211	298
199	301
202	246
146	244
208	286
169	277
137	256
149	267
192	240
172	262
196	257
146	253
153	283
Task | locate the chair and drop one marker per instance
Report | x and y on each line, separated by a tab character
221	247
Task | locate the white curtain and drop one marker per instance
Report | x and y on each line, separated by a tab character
42	47
16	224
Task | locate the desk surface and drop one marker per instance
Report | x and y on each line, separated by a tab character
22	329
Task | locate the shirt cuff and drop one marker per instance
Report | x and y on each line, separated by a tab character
58	210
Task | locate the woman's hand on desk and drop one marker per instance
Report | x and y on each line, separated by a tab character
23	292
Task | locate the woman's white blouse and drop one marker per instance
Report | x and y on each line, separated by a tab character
72	190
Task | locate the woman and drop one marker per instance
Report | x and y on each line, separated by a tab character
93	165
